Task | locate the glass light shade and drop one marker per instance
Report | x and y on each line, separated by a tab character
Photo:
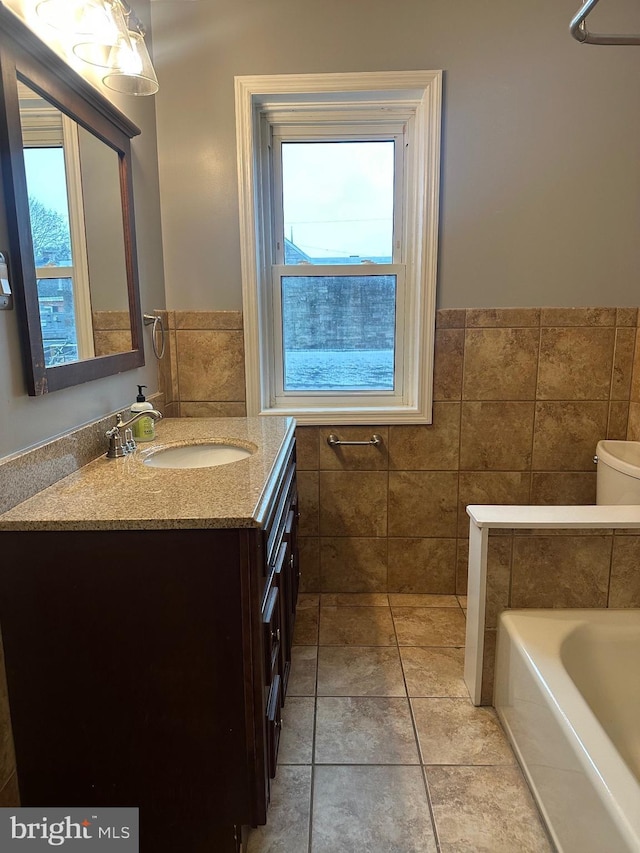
82	17
96	50
130	69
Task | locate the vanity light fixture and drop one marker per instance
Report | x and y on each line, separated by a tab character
130	70
112	37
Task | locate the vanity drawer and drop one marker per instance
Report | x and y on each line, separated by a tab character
271	622
274	724
282	583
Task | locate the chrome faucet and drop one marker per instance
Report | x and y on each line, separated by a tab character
119	446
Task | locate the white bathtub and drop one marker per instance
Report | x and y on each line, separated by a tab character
567	690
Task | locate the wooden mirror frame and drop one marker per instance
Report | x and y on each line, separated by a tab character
23	55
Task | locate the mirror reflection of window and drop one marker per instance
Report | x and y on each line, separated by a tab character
54	188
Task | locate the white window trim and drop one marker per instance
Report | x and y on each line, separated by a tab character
419	93
45	128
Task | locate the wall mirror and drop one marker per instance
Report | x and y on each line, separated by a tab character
68	191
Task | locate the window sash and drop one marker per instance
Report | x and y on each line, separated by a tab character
298	399
394	132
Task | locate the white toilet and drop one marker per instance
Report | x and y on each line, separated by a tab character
618	480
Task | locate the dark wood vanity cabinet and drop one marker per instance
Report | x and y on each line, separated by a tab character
149	668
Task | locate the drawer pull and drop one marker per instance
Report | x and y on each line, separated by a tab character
334	441
279	724
275	635
291	561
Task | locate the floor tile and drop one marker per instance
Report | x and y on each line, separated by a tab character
296	738
302	678
414	599
429	626
485	810
360	671
462	601
287	828
355	599
364	730
433	671
372	809
453	731
305	632
357	626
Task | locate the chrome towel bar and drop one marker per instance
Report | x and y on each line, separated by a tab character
334	441
579	31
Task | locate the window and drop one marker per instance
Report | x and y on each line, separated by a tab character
338	178
56	211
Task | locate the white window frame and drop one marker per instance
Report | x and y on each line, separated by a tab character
375	102
47	127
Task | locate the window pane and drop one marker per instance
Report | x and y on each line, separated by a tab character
48	206
338	332
338	201
57	320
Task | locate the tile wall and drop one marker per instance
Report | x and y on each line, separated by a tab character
522	397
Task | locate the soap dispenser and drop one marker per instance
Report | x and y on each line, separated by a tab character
144	429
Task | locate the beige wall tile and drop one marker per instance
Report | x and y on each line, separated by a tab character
172	410
213	410
563	488
566	435
111	342
496	436
422	503
618	420
488	666
309	559
447	369
490	487
633	431
208	319
624	589
351	564
172	358
626	316
560	571
113	320
575	363
462	566
354	458
450	318
623	364
307	448
309	501
498	578
577	316
353	503
210	365
502	317
500	364
635	379
165	376
422	566
432	447
305	632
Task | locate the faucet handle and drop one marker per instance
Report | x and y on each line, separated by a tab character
116	448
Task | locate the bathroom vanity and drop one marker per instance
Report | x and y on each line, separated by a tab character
147	617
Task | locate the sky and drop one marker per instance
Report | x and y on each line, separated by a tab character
338	197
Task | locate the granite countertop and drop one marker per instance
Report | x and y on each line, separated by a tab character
126	494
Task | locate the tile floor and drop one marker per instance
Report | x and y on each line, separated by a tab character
381	748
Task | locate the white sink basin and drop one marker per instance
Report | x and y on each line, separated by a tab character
197	456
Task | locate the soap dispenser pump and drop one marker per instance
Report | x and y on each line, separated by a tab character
144	429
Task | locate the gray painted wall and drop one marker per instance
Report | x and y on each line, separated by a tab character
24	420
540	157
